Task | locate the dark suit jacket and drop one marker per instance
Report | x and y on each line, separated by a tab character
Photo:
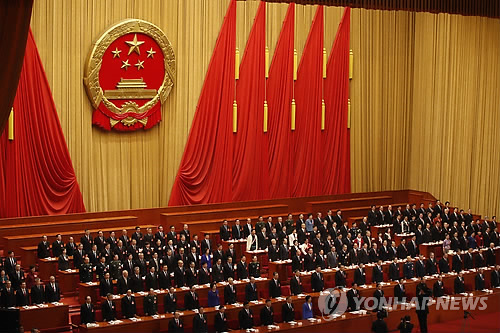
242	271
317	282
274	288
479	282
106	288
87	315
173	327
287	313
37	295
129	308
394	273
220	324
170	303
224	234
444	266
359	277
295	286
230	296
108	311
340	279
179	278
22	299
200	323
459	285
52	294
191	302
352	295
251	294
245	319
398	293
377	274
267	316
438	289
150	305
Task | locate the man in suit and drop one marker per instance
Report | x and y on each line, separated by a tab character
340	277
331	258
191	275
43	250
237	230
379	296
275	286
136	281
287	310
22	295
245	317
444	266
459	283
191	299
8	296
224	232
296	284
108	308
37	293
52	291
164	278
170	301
106	285
377	272
200	321
151	303
317	280
495	277
423	297
228	269
220	322
353	298
176	325
438	288
360	275
479	280
57	246
16	277
179	275
400	292
457	263
242	269
431	267
420	267
468	259
123	283
129	308
87	311
394	273
251	293
267	314
230	292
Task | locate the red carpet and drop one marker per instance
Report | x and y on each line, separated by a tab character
486	323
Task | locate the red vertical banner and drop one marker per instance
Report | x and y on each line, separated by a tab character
307	146
36	172
279	98
250	143
205	171
336	137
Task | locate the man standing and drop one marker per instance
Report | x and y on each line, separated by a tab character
245	317
87	311
200	322
151	303
129	308
267	314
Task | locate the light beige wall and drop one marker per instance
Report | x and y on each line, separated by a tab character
407	68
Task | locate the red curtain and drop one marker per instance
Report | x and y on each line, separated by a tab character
336	137
37	175
205	171
307	148
250	141
279	98
15	19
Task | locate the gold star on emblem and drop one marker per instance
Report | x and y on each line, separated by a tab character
134	45
151	53
116	53
140	64
125	64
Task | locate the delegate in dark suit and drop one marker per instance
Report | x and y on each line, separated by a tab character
108	310
288	312
274	288
170	303
37	294
251	292
267	316
87	313
230	294
129	308
245	317
52	293
317	282
200	323
295	286
220	323
191	301
175	326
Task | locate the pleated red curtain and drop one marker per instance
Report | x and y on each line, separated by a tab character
279	98
308	166
15	17
205	172
36	173
250	142
336	137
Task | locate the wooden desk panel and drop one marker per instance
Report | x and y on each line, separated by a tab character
50	317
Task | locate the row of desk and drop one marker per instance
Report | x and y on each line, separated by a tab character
348	322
